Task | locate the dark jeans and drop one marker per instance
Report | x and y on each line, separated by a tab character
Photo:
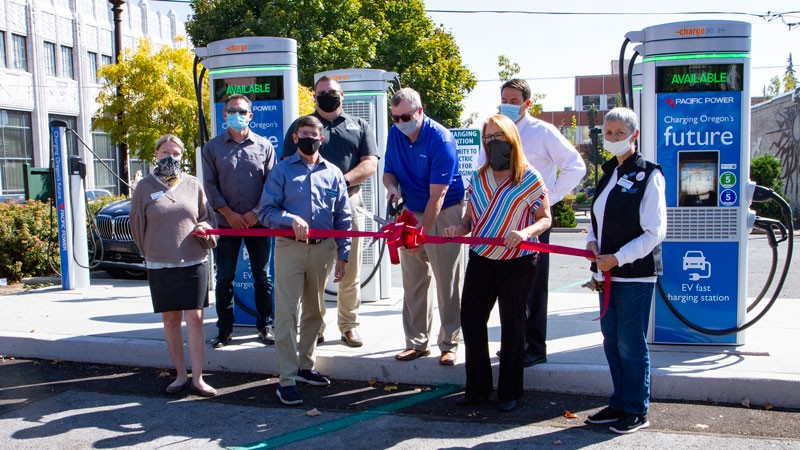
536	308
227	254
624	330
507	281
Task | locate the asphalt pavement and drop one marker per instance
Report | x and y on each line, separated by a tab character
405	404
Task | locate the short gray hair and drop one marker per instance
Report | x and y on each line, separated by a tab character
624	115
170	138
409	95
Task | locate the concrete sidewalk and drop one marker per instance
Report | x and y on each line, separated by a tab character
112	322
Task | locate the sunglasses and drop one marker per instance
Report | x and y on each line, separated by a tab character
241	112
332	93
403	117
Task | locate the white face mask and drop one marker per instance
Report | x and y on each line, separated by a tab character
618	148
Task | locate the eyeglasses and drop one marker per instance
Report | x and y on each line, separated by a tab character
332	93
403	117
494	137
241	112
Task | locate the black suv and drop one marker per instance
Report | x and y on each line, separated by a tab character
115	250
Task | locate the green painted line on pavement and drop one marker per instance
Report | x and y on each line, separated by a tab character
344	422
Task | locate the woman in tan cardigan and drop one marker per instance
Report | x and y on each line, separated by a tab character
167	207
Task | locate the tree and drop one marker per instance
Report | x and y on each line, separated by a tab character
332	34
157	97
765	170
789	79
508	68
774	87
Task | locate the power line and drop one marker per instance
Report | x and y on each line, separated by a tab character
768	16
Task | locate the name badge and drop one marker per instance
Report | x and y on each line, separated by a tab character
157	195
626	183
331	193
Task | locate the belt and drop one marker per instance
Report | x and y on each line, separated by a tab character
310	241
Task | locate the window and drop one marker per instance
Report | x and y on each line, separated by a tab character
589	100
612	101
67	69
16	149
20	52
49	59
106	60
105	152
2	49
92	57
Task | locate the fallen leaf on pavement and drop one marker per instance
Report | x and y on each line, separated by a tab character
768	406
569	415
390	388
372	381
556	442
313	413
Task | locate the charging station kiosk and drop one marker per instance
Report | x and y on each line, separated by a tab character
365	97
695	123
70	212
265	70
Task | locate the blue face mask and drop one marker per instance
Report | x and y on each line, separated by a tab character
511	111
237	121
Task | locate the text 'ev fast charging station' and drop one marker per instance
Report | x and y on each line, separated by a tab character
695	121
265	70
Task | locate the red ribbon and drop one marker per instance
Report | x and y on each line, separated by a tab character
404	233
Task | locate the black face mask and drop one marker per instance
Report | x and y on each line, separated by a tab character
308	145
499	155
329	103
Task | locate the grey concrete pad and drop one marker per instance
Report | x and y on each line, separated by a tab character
112	322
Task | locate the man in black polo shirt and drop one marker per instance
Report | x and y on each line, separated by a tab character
349	144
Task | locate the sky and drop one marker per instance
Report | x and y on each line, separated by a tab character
553	49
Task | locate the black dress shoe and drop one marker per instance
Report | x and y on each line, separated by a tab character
507	406
466	400
220	341
531	360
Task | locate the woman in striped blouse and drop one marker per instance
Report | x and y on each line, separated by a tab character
507	199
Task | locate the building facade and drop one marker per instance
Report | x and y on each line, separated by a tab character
775	129
50	51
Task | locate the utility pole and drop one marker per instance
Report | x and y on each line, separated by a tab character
594	134
122	147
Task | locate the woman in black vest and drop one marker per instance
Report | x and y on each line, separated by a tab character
629	221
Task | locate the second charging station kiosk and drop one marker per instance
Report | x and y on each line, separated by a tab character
365	96
695	123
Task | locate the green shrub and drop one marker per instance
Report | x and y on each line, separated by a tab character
563	215
764	170
28	240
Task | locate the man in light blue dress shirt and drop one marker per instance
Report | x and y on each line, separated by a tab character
304	191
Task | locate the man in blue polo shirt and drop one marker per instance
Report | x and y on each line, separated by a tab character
421	166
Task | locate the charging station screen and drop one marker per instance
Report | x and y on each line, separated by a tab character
699	78
267	95
697	178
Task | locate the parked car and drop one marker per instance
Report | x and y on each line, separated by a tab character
95	194
114	249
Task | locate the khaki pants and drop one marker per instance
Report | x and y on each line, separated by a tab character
446	263
349	288
300	273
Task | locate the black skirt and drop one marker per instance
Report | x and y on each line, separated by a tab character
179	288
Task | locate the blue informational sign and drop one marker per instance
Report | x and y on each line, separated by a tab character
699	136
61	212
266	92
699	280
